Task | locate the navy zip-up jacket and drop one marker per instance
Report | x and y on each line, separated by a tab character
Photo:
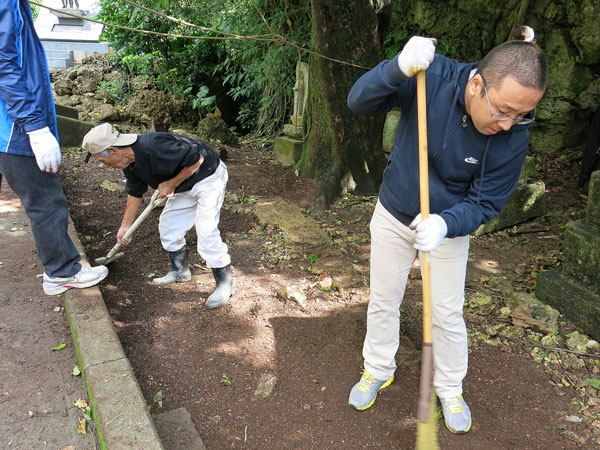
26	101
471	175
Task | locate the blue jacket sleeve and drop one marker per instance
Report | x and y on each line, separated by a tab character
485	199
379	90
21	105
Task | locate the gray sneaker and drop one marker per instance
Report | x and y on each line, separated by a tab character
86	277
364	393
457	414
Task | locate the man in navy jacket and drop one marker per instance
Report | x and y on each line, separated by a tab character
29	150
478	134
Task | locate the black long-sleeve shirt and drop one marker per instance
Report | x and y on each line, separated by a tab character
161	156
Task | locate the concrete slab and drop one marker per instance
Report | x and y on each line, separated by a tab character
92	328
303	236
177	430
71	131
66	111
119	407
574	299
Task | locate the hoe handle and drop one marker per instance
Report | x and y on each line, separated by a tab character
154	202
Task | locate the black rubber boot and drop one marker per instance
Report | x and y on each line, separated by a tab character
179	268
224	288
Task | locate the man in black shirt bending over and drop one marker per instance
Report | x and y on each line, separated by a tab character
192	178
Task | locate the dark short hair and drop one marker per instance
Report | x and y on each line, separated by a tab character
524	61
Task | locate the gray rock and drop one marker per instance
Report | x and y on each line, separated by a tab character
577	342
572	361
266	384
547	315
295	294
108	113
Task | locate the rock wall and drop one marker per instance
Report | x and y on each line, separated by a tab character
567	30
86	87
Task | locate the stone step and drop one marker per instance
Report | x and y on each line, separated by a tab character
582	252
71	131
287	150
66	111
89	47
59	63
59	54
177	431
573	298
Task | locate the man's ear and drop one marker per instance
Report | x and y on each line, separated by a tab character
475	85
112	150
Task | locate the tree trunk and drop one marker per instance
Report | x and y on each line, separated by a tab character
344	149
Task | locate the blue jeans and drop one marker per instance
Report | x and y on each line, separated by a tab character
46	206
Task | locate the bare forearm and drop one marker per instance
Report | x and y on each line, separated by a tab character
133	204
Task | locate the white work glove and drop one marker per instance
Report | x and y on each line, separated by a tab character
45	148
430	232
416	55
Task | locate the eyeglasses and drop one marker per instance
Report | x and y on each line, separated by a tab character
521	120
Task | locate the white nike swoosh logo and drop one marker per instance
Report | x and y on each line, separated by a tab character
471	160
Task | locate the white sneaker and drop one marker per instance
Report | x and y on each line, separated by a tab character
86	277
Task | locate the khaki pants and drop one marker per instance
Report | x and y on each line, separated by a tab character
392	255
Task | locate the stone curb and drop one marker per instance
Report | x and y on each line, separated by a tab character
122	417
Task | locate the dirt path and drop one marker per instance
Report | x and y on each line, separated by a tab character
212	362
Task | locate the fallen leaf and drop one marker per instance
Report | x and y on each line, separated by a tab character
81	404
76	371
82	426
59	347
593	382
158	398
522	317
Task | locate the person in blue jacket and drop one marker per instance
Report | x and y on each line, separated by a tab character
478	120
30	153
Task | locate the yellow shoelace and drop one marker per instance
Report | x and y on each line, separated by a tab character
454	404
366	382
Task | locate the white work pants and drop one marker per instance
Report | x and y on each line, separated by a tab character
392	255
200	206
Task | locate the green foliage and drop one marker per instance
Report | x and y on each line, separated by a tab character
447	49
203	102
35	11
262	75
118	90
175	65
258	75
394	42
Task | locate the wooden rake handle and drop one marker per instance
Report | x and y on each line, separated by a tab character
427	355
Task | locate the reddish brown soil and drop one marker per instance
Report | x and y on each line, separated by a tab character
187	352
